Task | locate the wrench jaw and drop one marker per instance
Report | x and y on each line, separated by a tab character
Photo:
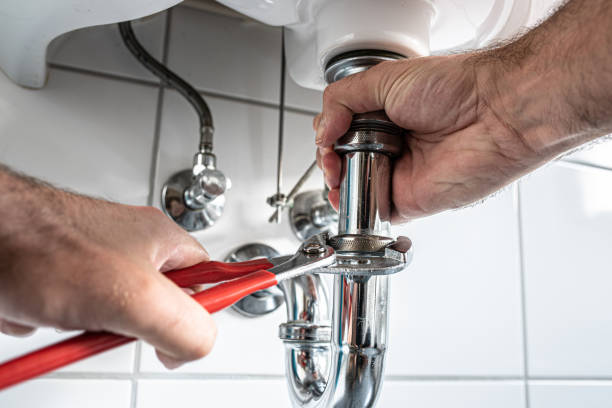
345	255
314	254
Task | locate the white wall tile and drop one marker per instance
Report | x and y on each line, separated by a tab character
244	346
598	152
245	64
303	98
52	393
567	224
457	394
567	394
245	145
228	393
89	134
116	360
101	49
456	309
225	54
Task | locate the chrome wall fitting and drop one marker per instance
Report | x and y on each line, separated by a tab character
312	214
195	199
262	302
175	206
281	201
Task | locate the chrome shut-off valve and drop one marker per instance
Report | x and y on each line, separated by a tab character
195	198
208	183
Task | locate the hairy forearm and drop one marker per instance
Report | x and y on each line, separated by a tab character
28	209
551	86
74	262
32	209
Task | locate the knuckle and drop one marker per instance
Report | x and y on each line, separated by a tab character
205	345
329	93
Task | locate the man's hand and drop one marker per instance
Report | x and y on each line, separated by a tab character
457	151
478	121
73	262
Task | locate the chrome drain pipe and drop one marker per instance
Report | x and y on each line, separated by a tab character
342	365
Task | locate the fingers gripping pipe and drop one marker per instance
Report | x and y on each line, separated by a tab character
343	365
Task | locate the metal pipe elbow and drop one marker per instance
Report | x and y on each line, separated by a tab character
343	368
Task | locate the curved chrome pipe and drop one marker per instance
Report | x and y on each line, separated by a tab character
359	341
306	336
347	369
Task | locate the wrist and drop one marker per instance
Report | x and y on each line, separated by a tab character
547	85
30	205
526	101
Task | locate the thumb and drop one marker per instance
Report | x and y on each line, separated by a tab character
184	251
357	93
187	252
195	332
166	317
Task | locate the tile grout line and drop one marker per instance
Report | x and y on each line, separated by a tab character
249	101
152	178
238	377
453	378
134	374
582	164
103	75
134	389
571	379
153	169
158	114
151	83
158	376
521	255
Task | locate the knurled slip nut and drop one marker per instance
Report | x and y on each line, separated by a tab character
359	243
371	139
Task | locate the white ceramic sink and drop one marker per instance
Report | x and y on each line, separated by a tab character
316	30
